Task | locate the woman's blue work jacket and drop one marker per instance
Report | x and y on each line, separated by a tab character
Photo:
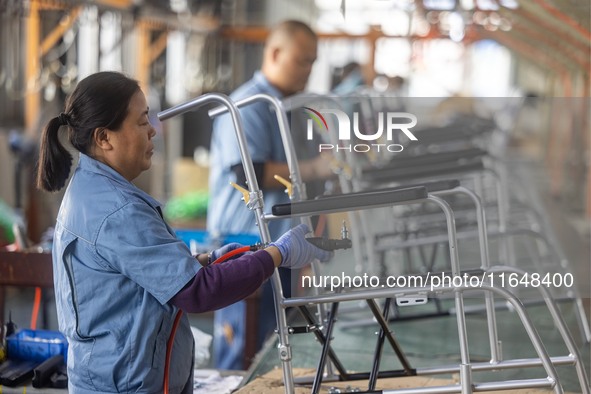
116	265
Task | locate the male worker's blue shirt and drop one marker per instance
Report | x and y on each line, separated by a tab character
116	265
227	213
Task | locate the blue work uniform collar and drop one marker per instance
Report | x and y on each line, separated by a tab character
89	164
260	78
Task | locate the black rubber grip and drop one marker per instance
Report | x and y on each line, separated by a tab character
434	186
330	244
406	174
353	201
434	158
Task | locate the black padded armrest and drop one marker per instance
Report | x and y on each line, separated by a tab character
408	174
434	158
351	201
464	128
434	186
437	186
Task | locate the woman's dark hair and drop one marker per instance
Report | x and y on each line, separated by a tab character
99	101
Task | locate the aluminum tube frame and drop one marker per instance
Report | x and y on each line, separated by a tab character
543	357
288	146
465	373
487	366
495	350
470	235
280	301
249	171
255	203
490	308
482	387
485	262
299	189
537	235
573	359
553	248
269	216
560	325
504	246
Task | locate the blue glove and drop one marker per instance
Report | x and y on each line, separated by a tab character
216	254
296	252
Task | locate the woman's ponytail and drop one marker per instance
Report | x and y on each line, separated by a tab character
54	160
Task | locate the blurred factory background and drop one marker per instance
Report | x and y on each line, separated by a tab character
179	49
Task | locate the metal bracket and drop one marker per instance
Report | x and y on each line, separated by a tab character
302	329
284	352
412	299
255	200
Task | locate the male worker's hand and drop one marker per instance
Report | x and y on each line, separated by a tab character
320	167
296	252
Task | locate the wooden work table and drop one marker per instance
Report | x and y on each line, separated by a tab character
23	269
35	270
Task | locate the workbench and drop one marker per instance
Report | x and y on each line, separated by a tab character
30	389
23	269
206	381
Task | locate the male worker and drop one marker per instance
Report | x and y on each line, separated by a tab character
289	53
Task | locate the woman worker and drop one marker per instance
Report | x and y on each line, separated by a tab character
120	273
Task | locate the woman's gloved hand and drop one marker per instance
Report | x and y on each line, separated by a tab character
216	254
296	252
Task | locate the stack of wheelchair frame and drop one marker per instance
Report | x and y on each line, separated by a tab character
379	300
459	154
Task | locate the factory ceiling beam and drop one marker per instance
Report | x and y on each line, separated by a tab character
546	27
158	46
147	20
36	49
530	52
529	24
538	28
120	4
258	34
568	20
58	32
543	20
562	130
198	23
33	26
147	52
576	58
